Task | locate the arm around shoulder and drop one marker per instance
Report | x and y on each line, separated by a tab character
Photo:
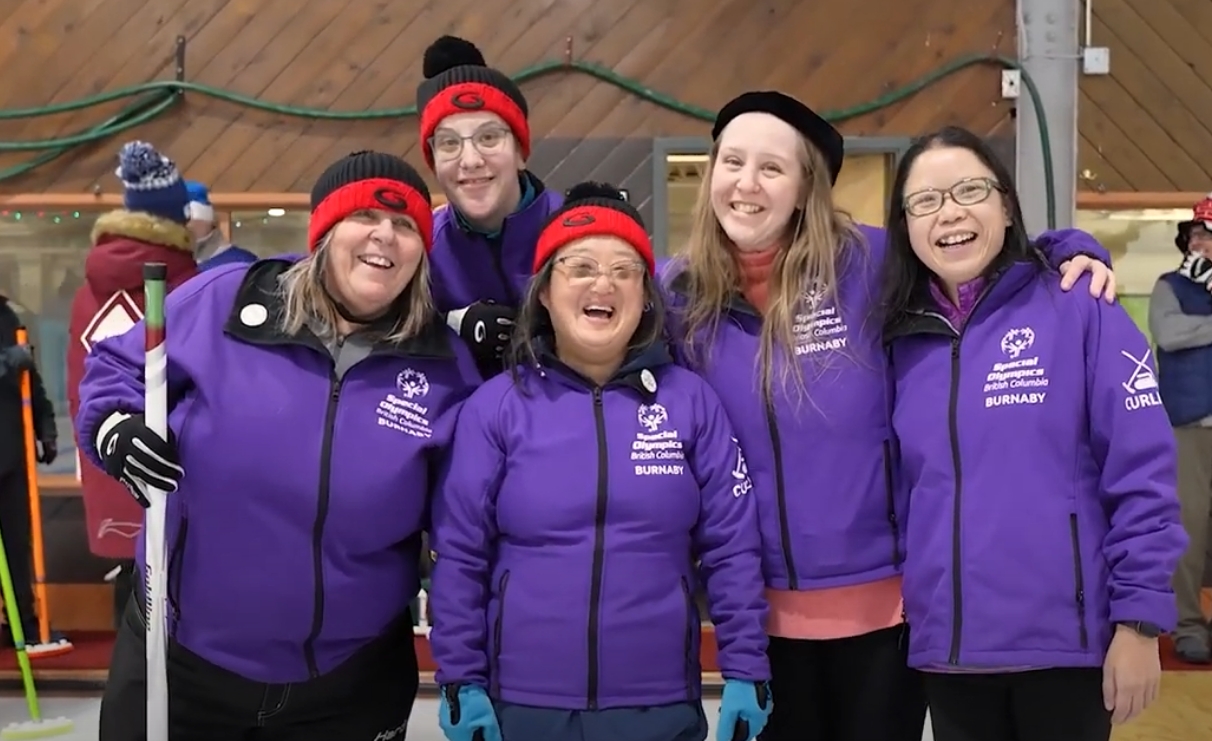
728	545
1133	444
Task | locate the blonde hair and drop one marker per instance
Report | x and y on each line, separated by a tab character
819	232
308	303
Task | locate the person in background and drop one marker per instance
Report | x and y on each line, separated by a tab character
1180	321
16	360
1043	526
531	545
773	271
150	227
212	248
310	399
476	138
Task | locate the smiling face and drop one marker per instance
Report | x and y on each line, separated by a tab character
757	181
1199	241
371	258
477	161
595	299
955	213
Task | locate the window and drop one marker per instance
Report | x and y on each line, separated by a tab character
1141	242
270	232
862	190
41	267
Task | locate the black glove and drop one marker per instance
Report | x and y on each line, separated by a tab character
16	358
137	457
486	327
50	451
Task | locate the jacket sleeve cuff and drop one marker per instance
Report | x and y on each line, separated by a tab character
1158	608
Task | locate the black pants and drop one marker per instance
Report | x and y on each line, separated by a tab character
683	721
15	529
368	698
1045	705
124	585
848	689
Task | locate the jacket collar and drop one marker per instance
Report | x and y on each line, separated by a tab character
637	372
256	316
924	317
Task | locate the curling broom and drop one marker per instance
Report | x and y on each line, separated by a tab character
155	411
43	647
36	726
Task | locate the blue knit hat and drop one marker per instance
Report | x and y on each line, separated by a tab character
152	183
199	201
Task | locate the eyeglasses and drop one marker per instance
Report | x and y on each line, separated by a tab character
967	192
447	145
581	270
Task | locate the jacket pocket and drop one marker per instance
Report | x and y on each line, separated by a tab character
693	626
176	561
495	669
1079	581
890	494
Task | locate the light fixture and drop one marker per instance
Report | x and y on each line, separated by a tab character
276	212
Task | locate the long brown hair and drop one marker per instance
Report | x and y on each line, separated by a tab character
818	232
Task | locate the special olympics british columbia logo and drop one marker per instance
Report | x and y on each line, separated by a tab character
1018	341
412	383
652	416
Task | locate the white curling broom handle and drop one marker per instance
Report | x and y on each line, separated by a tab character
156	413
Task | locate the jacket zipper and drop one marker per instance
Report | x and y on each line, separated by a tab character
780	489
496	632
957	615
317	538
892	521
599	536
496	248
1079	582
693	677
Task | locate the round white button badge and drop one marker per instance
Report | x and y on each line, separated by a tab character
254	315
648	380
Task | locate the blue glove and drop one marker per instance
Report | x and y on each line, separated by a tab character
466	714
744	710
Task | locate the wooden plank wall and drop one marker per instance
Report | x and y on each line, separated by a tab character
1148	125
350	56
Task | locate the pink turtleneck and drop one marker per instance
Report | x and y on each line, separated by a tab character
819	614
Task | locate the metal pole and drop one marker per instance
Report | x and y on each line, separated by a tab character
1049	51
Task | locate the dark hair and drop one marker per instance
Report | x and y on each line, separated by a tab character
533	327
905	278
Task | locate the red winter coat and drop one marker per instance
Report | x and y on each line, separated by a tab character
109	303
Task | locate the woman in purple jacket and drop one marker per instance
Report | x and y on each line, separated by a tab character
1043	525
589	489
309	400
776	304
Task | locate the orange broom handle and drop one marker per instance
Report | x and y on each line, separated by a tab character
35	501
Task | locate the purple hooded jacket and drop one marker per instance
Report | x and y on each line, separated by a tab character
566	533
1041	471
294	536
824	467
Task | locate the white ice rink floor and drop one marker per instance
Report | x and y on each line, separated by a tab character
83	711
